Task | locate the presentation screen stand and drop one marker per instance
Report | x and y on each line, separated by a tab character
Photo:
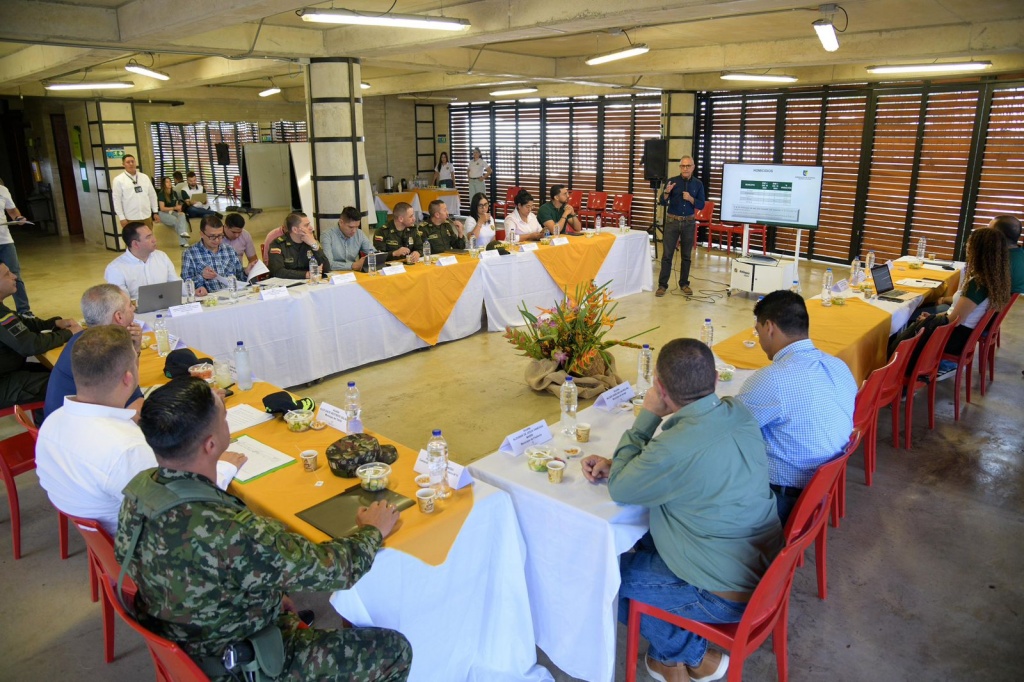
762	275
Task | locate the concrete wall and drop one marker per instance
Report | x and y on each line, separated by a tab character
390	127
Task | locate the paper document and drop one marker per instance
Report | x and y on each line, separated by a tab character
19	222
281	282
258	268
919	283
262	458
241	417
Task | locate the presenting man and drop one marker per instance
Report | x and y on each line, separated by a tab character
1010	227
399	236
803	400
443	233
211	574
90	448
714	528
238	238
683	195
141	263
290	253
9	254
102	304
193	208
134	196
346	247
208	263
557	216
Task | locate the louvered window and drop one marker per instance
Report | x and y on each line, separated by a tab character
1001	186
192	147
288	131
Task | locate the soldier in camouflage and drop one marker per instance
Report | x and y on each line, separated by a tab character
443	233
210	573
290	253
399	237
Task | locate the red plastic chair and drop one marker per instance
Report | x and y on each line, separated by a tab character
171	662
102	566
988	343
923	373
702	219
18	455
576	200
25	419
892	388
596	203
271	236
509	204
236	187
964	361
622	205
767	613
725	234
864	411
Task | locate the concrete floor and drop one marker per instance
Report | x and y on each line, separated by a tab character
924	574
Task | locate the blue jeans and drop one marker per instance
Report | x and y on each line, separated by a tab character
9	257
198	212
646	578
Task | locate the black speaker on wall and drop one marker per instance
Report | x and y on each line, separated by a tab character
222	153
655	159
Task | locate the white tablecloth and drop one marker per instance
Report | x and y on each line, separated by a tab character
467	619
574	535
379	205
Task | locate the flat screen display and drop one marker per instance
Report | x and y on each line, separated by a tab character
771	194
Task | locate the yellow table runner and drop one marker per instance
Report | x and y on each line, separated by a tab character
856	333
423	298
902	270
428	195
390	199
576	262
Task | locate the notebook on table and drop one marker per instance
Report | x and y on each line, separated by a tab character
883	286
159	296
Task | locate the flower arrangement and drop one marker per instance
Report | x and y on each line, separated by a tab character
572	334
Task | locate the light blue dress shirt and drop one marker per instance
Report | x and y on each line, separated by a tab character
343	251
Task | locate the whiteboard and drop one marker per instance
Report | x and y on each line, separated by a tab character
268	172
303	165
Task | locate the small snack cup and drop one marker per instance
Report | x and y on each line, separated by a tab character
425	498
583	432
725	372
638	404
309	460
556	468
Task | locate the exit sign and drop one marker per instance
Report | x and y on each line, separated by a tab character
442	139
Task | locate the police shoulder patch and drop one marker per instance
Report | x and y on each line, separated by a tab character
274	251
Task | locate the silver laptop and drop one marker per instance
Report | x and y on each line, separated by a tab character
198	198
883	286
159	296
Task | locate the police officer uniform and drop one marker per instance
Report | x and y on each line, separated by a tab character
20	381
389	239
443	237
290	260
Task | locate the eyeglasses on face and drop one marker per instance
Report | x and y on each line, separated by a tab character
213	237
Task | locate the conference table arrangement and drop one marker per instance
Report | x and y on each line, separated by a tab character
420	200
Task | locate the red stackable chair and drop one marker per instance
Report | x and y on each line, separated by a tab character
622	205
725	233
923	373
702	219
832	473
767	613
864	413
964	362
596	203
576	200
271	236
509	204
892	388
989	341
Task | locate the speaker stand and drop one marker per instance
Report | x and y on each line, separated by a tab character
655	224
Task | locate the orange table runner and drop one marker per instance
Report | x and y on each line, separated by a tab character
576	262
428	195
856	333
902	270
423	298
390	199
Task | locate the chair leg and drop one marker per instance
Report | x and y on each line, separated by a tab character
982	366
956	393
820	553
870	454
908	416
632	642
969	369
15	507
932	385
62	534
895	407
108	629
95	576
779	643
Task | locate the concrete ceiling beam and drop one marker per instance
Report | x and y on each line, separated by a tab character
39	62
25	20
141	19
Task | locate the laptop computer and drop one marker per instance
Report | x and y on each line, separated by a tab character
379	257
159	296
198	198
883	286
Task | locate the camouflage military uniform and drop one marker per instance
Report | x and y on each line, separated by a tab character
210	574
390	239
443	237
290	260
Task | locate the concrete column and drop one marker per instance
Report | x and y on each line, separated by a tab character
337	140
112	132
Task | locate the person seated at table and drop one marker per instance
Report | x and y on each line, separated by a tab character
557	215
172	212
522	220
141	263
102	304
480	223
193	208
346	246
803	400
444	172
399	237
714	527
238	238
90	447
290	254
210	573
1009	226
443	233
208	263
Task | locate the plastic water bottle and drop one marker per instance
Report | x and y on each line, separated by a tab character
795	288
707	333
622	224
437	464
597	223
511	236
232	286
163	341
922	246
243	370
870	262
353	410
190	291
472	242
569	404
854	270
371	264
426	250
826	288
644	370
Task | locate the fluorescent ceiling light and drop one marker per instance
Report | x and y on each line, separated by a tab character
134	67
826	34
91	86
344	16
924	68
273	90
517	91
762	78
431	98
364	85
631	51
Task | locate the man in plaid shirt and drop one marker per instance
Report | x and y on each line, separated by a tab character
206	263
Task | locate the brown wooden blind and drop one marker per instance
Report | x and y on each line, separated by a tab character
840	156
1001	188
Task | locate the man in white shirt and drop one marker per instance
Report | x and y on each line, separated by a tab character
134	195
194	209
9	254
142	263
90	448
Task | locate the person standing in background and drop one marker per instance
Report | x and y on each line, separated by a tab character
9	254
444	172
478	172
683	197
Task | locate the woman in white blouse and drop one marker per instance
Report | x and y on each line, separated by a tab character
522	220
478	172
444	173
480	223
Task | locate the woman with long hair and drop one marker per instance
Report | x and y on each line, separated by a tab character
480	223
171	213
522	221
444	172
478	171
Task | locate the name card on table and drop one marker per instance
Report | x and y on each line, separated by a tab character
271	293
840	286
559	241
447	260
393	269
457	475
610	400
185	309
333	416
534	434
343	278
528	246
859	277
488	255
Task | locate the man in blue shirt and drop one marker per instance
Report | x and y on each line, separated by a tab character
206	263
683	195
346	247
803	400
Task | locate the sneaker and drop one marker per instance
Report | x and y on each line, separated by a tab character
687	291
660	292
946	370
662	672
27	315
